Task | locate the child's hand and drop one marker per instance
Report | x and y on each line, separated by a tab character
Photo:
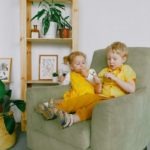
84	72
96	79
61	78
97	84
110	76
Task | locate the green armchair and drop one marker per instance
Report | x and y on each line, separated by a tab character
122	123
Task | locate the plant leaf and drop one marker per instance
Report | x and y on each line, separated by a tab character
45	24
65	23
39	14
62	6
47	3
8	92
21	105
2	91
9	123
66	17
6	104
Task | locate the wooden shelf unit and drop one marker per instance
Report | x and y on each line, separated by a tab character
26	44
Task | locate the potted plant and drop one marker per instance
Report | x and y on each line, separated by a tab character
55	76
64	28
7	121
51	14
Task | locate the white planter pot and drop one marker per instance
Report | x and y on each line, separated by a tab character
52	32
55	79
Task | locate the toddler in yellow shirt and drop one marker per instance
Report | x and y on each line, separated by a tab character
82	82
117	79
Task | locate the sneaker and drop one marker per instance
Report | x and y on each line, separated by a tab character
48	113
69	120
66	120
61	116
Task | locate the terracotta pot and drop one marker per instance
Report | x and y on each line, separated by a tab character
6	140
64	33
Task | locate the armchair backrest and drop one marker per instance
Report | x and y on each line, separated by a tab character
138	59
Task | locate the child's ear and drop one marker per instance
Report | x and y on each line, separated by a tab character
124	59
71	68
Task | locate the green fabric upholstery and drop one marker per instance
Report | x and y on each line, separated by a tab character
72	135
117	124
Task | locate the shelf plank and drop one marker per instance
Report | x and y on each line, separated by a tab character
50	82
56	40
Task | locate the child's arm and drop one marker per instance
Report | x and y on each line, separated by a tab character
128	87
91	76
97	84
64	80
61	78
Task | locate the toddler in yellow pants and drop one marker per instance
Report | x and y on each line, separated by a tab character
115	80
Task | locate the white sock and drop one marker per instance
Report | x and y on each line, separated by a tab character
70	119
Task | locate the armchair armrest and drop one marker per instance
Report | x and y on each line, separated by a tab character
122	123
40	94
44	93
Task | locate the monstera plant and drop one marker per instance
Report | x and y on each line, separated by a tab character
5	107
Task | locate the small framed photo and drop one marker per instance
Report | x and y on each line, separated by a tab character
48	64
5	69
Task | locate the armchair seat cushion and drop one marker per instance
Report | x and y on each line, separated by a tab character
77	135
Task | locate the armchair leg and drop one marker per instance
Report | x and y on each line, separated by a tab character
145	148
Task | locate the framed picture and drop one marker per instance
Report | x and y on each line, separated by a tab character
48	64
5	68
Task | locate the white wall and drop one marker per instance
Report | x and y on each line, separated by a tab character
9	40
10	44
103	21
100	23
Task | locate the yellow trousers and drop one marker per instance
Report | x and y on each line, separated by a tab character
81	105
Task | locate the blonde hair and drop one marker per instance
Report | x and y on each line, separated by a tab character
72	55
119	48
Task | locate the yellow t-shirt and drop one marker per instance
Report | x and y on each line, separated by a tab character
79	86
110	88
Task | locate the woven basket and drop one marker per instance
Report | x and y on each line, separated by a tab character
6	140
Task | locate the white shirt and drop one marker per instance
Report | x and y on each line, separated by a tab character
64	69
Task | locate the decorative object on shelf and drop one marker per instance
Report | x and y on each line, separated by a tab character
64	33
5	68
52	31
64	28
64	67
7	121
35	33
51	14
48	64
55	77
